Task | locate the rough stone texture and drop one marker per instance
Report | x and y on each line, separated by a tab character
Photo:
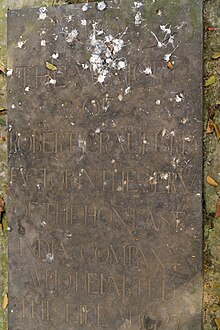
4	5
3	169
147	225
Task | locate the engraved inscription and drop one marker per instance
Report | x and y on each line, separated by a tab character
103	143
104	148
129	180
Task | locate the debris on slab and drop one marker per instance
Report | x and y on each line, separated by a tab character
101	5
51	66
211	181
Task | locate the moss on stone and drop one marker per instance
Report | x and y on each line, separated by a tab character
211	167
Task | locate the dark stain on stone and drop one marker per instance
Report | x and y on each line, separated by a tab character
151	324
21	230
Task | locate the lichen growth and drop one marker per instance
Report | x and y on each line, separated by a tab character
211	167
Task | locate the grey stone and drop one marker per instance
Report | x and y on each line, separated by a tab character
105	159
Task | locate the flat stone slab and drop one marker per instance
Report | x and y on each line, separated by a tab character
105	160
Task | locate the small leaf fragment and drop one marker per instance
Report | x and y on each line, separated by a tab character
3	69
211	29
50	66
217	322
211	181
215	55
210	127
210	81
2	205
3	111
170	65
4	225
217	214
5	301
217	132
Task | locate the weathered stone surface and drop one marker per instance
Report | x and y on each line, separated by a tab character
105	166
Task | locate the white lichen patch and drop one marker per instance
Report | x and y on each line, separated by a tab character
21	43
179	98
52	81
55	56
50	257
138	4
138	19
127	90
167	56
99	32
102	76
122	65
166	29
43	43
167	38
82	145
171	41
9	72
71	36
175	161
42	13
120	97
164	131
83	22
164	176
101	5
113	124
69	18
148	71
85	66
121	139
159	43
105	49
85	7
184	120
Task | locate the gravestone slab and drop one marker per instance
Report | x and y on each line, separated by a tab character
105	166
